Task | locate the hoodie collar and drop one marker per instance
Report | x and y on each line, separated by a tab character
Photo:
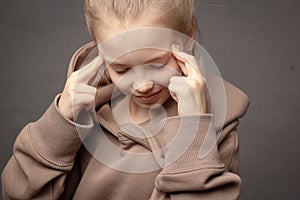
106	119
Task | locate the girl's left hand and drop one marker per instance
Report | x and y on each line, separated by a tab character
190	90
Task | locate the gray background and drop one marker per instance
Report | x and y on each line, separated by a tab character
255	44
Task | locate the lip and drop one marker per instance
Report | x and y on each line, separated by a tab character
149	98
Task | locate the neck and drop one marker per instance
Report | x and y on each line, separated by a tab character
138	114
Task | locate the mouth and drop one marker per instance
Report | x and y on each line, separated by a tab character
148	99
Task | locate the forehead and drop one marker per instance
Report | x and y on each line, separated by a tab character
141	57
149	38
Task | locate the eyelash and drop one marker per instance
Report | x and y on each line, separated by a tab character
123	71
157	65
153	65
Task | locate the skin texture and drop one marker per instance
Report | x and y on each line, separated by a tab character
185	84
77	94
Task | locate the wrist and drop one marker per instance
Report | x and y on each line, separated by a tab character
65	112
192	145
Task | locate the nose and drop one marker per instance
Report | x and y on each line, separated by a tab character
143	87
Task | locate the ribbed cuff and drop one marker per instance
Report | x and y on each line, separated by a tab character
190	143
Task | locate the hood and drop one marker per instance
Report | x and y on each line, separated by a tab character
236	101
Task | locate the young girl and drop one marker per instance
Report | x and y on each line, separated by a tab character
49	160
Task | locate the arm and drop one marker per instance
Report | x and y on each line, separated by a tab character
207	168
213	176
45	150
43	154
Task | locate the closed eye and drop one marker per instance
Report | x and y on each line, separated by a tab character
122	71
157	65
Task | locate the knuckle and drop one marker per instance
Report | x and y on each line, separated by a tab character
171	87
74	75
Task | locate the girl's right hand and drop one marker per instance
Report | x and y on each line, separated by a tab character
190	90
77	93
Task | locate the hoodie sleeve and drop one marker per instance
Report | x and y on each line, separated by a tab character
193	172
43	154
199	161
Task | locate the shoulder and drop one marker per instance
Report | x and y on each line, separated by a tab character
237	102
226	101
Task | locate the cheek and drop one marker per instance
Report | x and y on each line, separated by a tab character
113	75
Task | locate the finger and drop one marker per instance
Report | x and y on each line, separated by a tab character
179	87
184	85
186	98
178	79
83	101
90	70
190	63
83	88
193	71
180	62
173	95
182	67
182	56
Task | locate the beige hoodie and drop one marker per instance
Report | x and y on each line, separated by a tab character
50	162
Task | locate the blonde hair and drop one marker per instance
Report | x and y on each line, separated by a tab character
178	14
